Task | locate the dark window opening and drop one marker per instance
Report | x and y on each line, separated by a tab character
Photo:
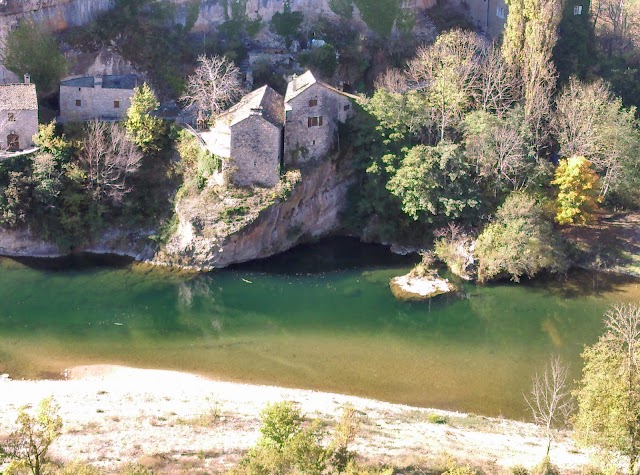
78	103
347	107
313	102
11	117
314	121
116	104
13	142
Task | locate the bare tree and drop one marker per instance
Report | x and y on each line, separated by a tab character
109	158
617	23
550	400
449	72
500	87
392	80
213	86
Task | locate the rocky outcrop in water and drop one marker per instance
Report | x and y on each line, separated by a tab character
311	212
416	288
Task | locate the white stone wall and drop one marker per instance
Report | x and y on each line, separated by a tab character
95	103
255	152
25	126
304	144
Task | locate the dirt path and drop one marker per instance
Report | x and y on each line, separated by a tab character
182	423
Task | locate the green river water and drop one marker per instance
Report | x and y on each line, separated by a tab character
319	317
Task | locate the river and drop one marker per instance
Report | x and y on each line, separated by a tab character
318	317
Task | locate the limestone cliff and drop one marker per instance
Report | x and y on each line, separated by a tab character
61	14
310	212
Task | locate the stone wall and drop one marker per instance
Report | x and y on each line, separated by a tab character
487	15
303	143
25	126
95	103
255	152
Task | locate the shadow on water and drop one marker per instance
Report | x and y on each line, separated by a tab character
328	255
78	261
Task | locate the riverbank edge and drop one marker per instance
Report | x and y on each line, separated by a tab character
168	419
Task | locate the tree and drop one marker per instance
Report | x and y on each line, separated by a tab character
529	38
214	85
591	122
434	183
30	49
609	392
109	158
520	241
448	72
617	23
550	399
287	23
573	53
142	127
577	199
29	445
500	150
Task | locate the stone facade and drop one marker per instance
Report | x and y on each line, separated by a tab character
248	137
18	116
489	16
100	97
313	111
255	152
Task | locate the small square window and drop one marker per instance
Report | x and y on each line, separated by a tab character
577	10
347	107
313	102
11	117
314	121
500	12
116	104
78	103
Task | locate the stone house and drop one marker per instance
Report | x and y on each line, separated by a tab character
248	137
488	16
18	115
96	97
313	110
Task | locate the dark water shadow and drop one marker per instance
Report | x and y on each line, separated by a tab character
80	261
580	283
327	255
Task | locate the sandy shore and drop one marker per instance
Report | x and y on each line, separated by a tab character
165	419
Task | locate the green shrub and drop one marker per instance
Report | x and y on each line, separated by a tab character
520	241
519	470
435	418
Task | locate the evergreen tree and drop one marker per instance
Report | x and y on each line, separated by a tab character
146	130
575	53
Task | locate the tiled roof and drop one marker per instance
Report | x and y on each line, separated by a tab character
120	81
18	97
264	101
301	83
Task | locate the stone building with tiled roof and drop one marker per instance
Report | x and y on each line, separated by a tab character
313	110
18	115
99	97
248	137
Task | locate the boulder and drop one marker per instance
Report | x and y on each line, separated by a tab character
414	288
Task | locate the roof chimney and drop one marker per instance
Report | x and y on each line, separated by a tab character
27	78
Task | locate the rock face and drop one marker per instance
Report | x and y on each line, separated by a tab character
311	212
61	14
408	287
23	244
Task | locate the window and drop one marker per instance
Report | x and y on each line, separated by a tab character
11	117
577	10
78	103
314	121
347	107
287	116
500	12
116	104
313	102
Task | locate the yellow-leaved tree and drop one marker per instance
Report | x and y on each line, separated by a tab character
578	187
